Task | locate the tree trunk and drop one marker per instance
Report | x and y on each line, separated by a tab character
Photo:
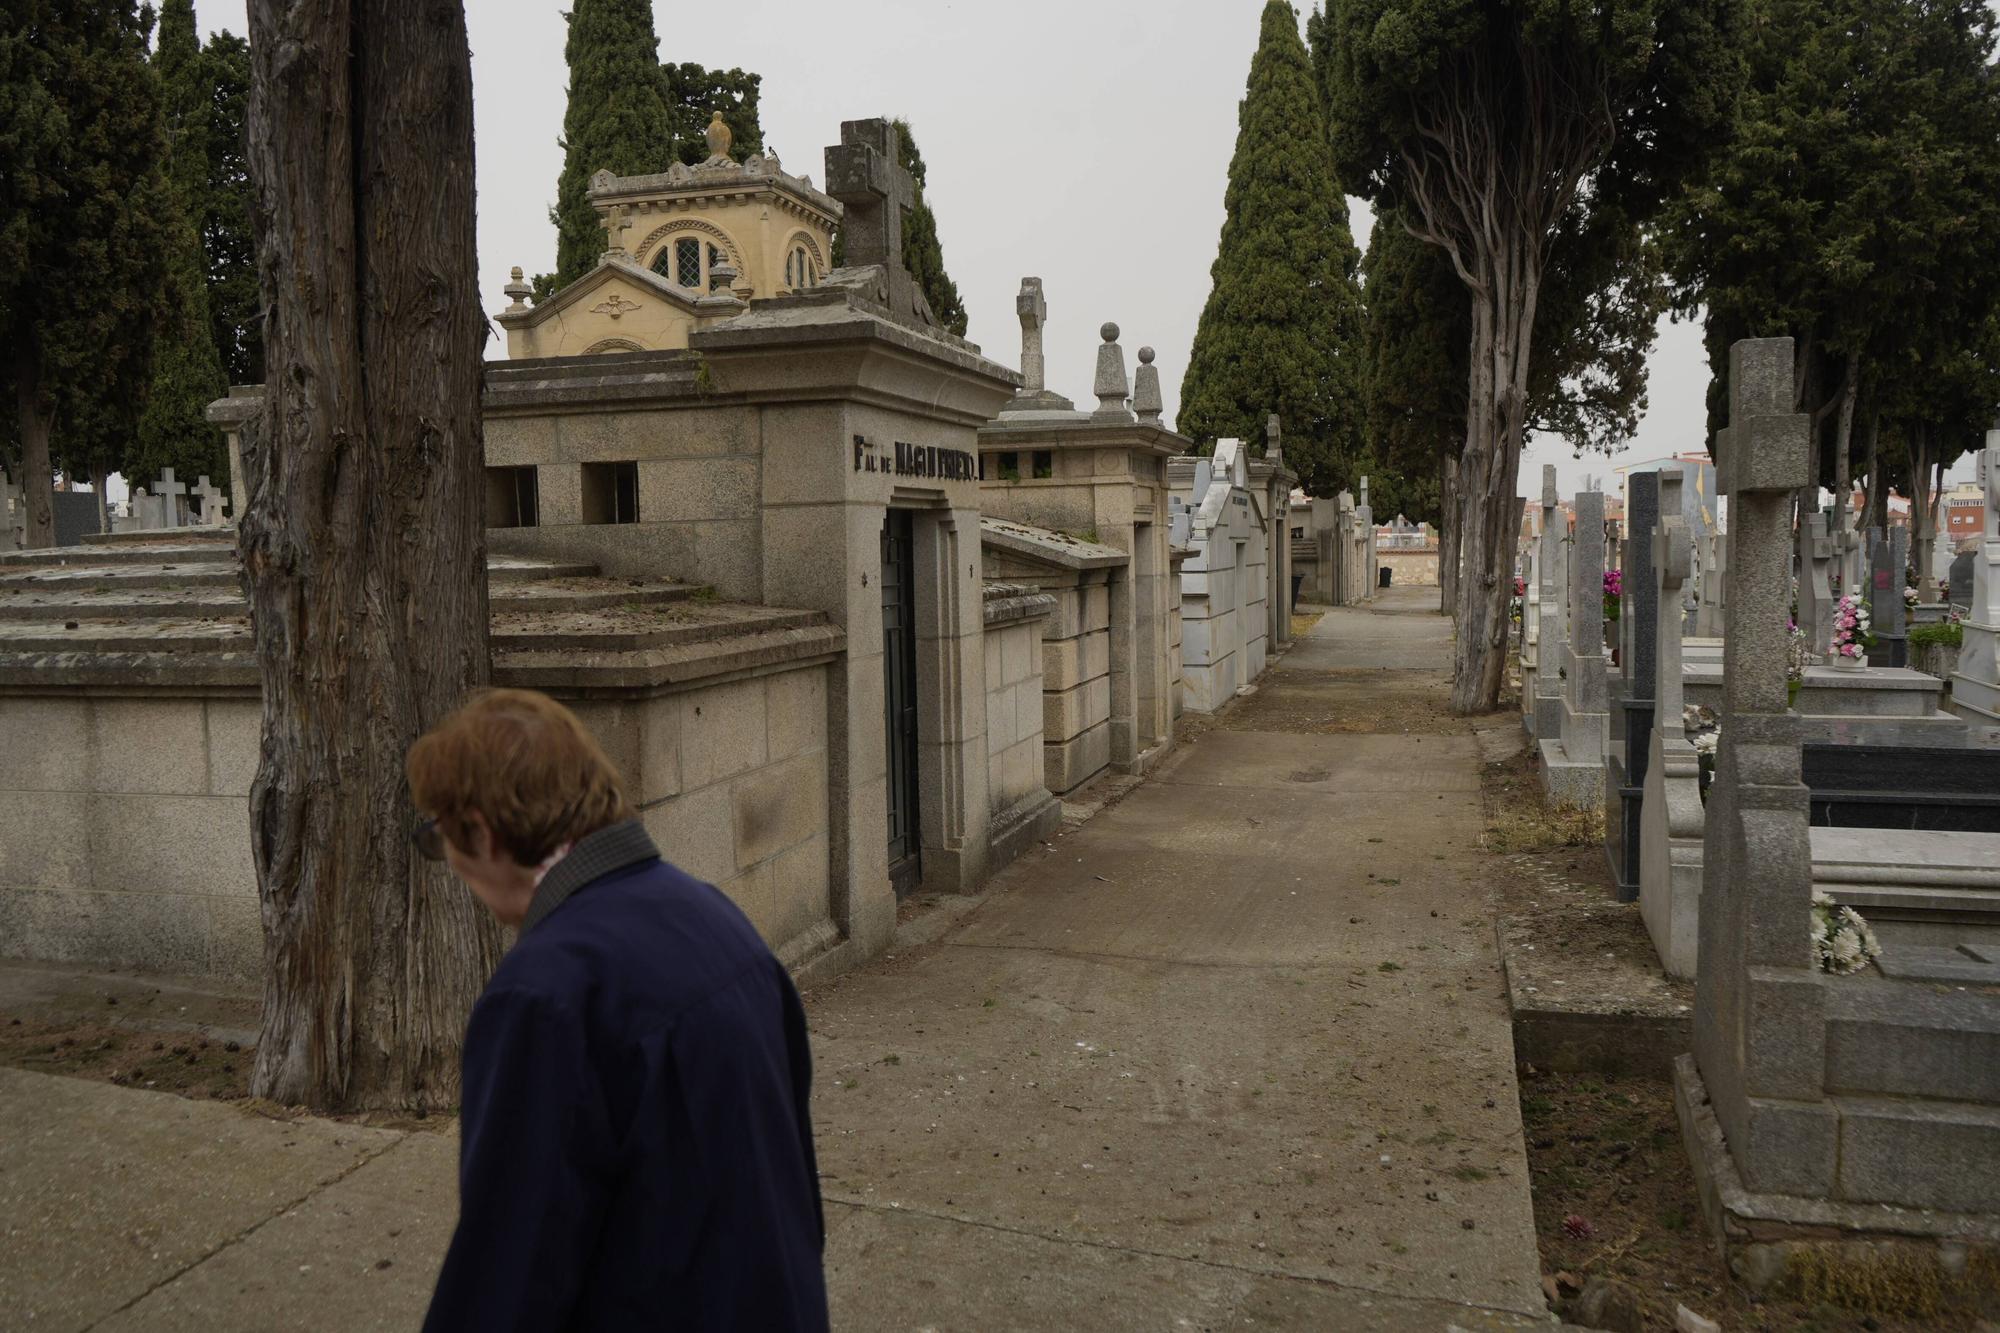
1878	485
100	481
363	542
1926	481
1450	524
1503	317
1843	440
38	506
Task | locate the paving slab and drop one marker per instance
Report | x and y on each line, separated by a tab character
108	1192
361	1253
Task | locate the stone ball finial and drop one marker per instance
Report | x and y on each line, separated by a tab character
517	290
718	136
1145	356
515	273
1109	333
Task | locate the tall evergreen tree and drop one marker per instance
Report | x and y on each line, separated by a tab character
1281	330
617	120
82	200
694	92
187	374
227	236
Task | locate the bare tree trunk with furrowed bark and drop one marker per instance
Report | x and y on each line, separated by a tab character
363	541
1449	525
38	505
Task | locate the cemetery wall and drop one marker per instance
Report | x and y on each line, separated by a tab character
1022	807
1411	568
142	850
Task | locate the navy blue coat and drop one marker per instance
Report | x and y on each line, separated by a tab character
636	1144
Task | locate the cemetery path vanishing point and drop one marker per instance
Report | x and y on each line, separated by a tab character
1235	1051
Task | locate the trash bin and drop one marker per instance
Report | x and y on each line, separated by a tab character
1385	577
1298	581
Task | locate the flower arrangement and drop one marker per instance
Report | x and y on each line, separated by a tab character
1909	595
1842	942
1614	593
1850	628
1704	731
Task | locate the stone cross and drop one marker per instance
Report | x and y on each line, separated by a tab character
1760	1007
616	223
169	493
210	498
1034	312
1146	399
1816	586
865	174
1110	387
1553	637
1274	442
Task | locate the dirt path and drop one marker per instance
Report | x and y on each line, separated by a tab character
1233	1052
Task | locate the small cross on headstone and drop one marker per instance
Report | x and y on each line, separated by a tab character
209	503
169	493
617	221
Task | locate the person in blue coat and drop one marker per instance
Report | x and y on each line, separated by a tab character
635	1146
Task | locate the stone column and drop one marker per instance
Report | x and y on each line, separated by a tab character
1760	1016
1554	639
1671	816
1625	773
1033	310
1573	764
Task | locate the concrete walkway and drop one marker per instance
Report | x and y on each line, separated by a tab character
1233	1053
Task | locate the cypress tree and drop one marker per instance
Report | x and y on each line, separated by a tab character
923	253
227	238
81	232
1281	330
617	120
187	373
694	92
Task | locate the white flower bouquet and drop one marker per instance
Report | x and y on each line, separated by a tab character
1842	942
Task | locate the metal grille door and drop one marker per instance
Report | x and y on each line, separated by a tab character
899	694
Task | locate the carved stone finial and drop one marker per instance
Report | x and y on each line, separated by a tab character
1146	399
517	290
719	139
1111	386
721	276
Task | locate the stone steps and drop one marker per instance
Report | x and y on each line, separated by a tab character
156	551
210	601
207	572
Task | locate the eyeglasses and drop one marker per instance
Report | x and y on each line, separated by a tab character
428	839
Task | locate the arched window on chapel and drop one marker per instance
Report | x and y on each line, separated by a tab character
687	260
800	271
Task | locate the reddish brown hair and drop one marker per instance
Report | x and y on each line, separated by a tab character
526	764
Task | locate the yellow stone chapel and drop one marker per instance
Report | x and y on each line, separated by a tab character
685	248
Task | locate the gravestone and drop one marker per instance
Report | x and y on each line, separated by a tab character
1573	762
169	492
1975	685
209	504
75	514
1110	385
864	172
1760	1010
1711	614
1886	606
1670	817
1816	587
1549	592
1638	634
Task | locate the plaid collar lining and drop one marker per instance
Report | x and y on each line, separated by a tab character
596	855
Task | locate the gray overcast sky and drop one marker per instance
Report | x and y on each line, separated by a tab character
1086	142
